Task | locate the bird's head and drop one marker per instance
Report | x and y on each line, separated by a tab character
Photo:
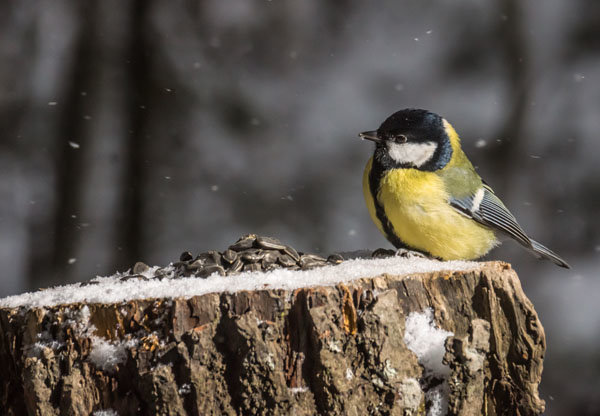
412	139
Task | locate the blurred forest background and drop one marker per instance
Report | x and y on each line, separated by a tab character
134	130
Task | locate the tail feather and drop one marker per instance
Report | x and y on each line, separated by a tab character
546	253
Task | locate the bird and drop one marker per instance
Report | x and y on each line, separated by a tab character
424	195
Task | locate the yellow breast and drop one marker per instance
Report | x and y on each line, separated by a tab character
416	205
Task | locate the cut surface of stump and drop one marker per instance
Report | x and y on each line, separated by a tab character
388	336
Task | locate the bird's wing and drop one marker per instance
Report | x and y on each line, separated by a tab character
486	208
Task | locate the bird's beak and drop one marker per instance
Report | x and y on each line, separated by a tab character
370	135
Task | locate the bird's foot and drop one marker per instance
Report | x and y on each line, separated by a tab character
411	254
381	253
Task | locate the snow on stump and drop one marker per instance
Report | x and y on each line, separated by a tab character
390	336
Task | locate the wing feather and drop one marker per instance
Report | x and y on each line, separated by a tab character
487	209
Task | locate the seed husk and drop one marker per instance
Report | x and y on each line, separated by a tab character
309	262
236	266
140	267
315	257
290	251
125	278
160	273
382	253
335	258
270	243
286	260
253	255
252	267
195	265
270	257
210	257
229	256
269	266
186	256
208	270
245	242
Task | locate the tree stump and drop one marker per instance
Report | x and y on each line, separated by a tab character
374	345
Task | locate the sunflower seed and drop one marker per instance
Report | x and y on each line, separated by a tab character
270	257
269	266
140	267
307	261
210	257
245	242
186	256
229	256
270	243
208	270
252	267
286	260
335	258
315	257
161	273
253	255
236	266
196	264
382	253
290	251
125	278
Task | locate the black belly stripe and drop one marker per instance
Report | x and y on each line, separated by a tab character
375	177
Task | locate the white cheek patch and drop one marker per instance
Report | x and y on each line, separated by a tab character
416	154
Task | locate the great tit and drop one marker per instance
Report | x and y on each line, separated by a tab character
423	193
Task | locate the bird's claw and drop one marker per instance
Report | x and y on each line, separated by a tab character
408	254
381	253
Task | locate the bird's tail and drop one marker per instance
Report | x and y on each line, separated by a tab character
546	253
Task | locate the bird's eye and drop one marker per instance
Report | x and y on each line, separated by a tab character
401	138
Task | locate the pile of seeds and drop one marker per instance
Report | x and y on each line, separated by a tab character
249	253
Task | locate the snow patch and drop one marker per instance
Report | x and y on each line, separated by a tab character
105	412
427	341
106	355
112	289
437	400
185	388
297	390
37	349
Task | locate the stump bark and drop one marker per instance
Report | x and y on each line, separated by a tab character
320	350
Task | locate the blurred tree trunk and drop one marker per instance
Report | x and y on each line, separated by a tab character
98	149
43	141
129	225
71	143
507	153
